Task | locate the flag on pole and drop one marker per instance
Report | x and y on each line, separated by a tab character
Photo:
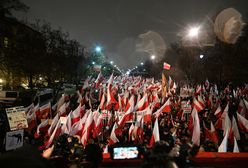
167	66
155	134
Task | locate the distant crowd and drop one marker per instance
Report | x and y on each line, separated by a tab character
168	122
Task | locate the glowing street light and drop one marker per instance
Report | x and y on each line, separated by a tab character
111	62
93	63
141	63
201	56
193	32
98	49
153	57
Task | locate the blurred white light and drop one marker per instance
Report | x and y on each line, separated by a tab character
111	62
98	49
141	63
193	31
1	80
136	67
93	63
201	56
153	57
40	78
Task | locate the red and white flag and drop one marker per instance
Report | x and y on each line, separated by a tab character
110	97
76	114
164	109
55	134
87	129
223	145
155	133
113	139
196	129
142	104
242	122
42	127
236	147
197	105
235	129
167	66
45	110
128	113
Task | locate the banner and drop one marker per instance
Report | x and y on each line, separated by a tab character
17	118
14	139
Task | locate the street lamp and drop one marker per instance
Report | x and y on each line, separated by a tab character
93	63
111	62
193	32
201	56
98	49
141	63
153	57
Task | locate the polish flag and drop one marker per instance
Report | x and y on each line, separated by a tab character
98	126
31	117
155	133
110	97
76	114
236	147
197	105
164	109
242	108
142	104
42	127
55	134
196	129
78	127
66	127
198	89
63	109
223	145
226	122
191	120
130	133
45	110
87	129
218	113
113	139
155	99
118	105
167	66
53	125
102	103
99	79
201	101
242	122
148	115
128	113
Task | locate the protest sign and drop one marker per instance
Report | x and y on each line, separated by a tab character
14	139
17	118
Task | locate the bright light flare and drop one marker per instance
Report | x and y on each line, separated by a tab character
98	49
193	32
153	57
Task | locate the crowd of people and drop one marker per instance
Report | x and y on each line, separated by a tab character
169	122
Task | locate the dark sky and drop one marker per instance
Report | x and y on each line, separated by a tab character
116	24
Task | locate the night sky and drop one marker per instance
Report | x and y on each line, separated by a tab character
116	24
